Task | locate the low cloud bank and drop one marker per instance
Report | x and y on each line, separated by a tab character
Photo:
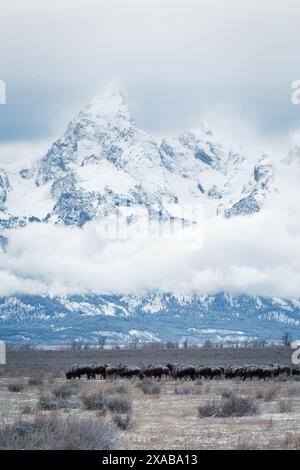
257	255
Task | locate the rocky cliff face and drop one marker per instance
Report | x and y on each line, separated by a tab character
103	161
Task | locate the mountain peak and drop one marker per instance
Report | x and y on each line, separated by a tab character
201	129
110	103
104	158
293	157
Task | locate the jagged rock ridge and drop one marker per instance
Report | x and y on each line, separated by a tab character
103	161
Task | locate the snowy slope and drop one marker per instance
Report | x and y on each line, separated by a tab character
153	317
104	161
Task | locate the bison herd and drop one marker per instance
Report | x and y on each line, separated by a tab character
181	371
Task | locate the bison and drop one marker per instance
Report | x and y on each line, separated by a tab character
99	370
156	371
186	372
216	372
130	371
203	372
77	371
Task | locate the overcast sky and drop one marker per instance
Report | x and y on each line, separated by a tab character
178	61
228	62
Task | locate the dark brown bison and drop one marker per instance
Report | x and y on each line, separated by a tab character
70	375
234	371
284	370
203	372
78	371
251	372
216	372
99	370
130	371
112	371
180	371
156	371
260	372
184	371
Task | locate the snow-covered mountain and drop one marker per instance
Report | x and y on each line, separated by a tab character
103	163
152	317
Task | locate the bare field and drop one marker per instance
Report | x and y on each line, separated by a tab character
151	415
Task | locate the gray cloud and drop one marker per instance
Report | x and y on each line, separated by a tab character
254	254
176	60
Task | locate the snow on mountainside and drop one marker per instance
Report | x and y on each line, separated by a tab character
153	317
103	161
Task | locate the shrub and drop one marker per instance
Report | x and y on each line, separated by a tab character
46	402
294	390
64	403
238	406
197	389
228	407
119	404
271	393
35	381
226	394
57	433
149	388
282	378
198	382
183	391
245	444
290	441
123	422
27	410
65	391
117	389
17	387
284	406
94	401
209	409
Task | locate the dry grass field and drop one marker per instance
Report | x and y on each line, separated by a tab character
39	408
